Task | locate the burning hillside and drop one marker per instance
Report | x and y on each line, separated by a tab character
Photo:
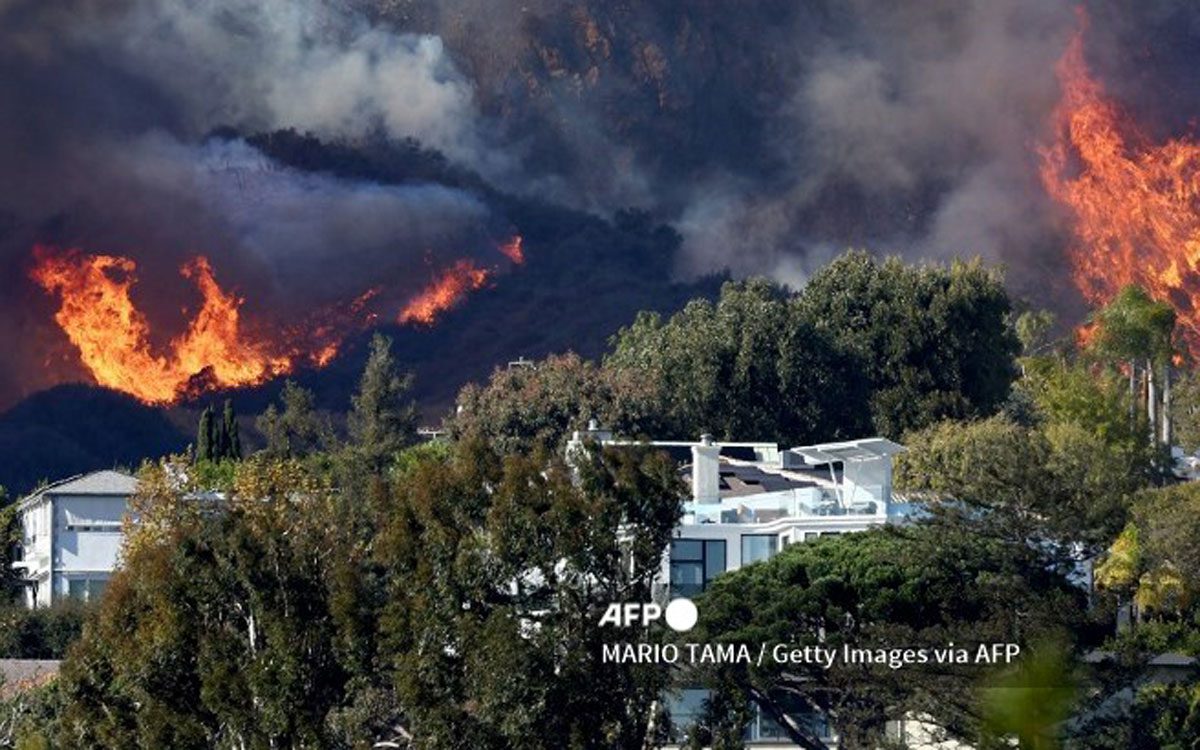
218	349
1134	203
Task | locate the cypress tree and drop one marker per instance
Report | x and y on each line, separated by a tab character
383	418
232	438
205	436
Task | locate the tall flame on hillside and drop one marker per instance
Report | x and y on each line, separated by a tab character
1135	203
113	336
217	350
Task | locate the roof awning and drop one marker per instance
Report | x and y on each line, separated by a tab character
867	449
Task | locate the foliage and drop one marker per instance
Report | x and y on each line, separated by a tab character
915	587
383	418
455	597
1156	559
11	535
1134	326
1057	484
206	436
933	342
231	436
43	633
295	430
752	366
540	404
1031	701
1185	410
29	717
494	601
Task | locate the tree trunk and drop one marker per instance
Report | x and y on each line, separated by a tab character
1151	401
1167	437
1133	399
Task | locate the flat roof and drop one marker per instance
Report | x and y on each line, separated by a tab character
848	451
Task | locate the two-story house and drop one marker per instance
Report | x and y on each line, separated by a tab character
71	536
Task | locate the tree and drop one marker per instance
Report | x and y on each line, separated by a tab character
206	436
1137	330
455	605
383	418
295	430
1058	485
887	589
494	601
231	434
933	343
542	402
749	367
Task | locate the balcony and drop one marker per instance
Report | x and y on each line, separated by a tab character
807	502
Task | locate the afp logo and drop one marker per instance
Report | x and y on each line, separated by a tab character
680	614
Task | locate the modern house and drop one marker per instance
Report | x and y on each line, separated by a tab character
750	500
71	536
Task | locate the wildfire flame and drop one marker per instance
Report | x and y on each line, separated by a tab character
1135	204
455	283
113	336
447	290
99	317
513	249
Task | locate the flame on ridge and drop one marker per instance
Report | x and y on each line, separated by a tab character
1134	203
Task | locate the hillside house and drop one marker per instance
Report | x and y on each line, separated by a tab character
71	536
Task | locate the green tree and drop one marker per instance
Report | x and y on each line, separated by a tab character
1060	485
206	436
383	417
456	604
541	403
494	601
1138	330
231	438
888	588
933	342
295	430
752	366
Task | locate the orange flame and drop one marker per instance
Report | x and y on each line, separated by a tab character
446	291
513	249
113	337
1135	204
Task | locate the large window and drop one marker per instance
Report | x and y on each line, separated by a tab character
86	589
695	562
686	708
757	547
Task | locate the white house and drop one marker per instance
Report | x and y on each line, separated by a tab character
71	536
749	501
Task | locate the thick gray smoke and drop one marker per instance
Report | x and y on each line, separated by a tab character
918	127
772	134
103	116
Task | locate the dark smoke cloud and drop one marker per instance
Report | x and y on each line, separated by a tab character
104	107
914	133
773	134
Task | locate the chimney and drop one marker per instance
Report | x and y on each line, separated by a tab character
706	471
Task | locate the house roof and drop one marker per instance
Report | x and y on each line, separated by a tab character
850	450
23	674
102	483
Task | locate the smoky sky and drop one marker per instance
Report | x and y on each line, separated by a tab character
771	134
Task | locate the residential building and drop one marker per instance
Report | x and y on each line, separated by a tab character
71	536
750	500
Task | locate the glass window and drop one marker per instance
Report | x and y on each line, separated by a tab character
694	563
757	547
685	707
77	589
95	589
